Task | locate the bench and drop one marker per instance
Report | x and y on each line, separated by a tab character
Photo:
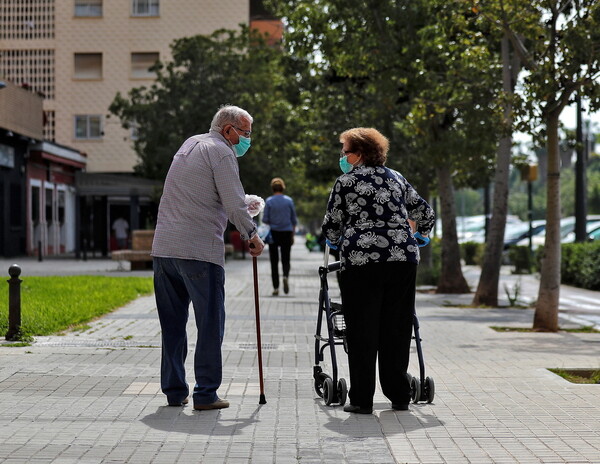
139	255
141	244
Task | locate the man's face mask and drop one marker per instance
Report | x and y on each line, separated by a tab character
242	146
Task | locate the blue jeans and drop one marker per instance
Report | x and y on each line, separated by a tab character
177	282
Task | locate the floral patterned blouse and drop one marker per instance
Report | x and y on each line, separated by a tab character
367	214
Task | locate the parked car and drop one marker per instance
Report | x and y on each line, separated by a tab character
519	234
590	227
594	234
567	225
472	228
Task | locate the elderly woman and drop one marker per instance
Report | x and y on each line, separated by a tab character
368	219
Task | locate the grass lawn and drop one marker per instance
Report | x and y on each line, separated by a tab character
55	303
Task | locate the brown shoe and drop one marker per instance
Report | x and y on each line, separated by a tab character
180	403
219	404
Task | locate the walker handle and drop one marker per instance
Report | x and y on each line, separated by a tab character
326	257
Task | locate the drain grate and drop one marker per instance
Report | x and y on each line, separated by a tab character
99	343
254	346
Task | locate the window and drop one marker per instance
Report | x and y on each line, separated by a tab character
7	156
134	128
88	66
35	205
141	64
87	8
144	7
16	208
88	126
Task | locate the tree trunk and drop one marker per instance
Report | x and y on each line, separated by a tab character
546	308
487	289
451	278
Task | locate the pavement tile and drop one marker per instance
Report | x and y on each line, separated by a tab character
94	396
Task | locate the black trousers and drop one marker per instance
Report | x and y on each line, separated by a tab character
281	240
378	302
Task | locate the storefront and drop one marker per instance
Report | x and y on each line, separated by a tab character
52	198
103	199
21	123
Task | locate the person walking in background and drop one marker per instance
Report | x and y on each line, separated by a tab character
202	191
368	218
280	216
121	228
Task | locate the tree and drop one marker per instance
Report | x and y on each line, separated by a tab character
487	288
454	114
416	71
558	42
236	67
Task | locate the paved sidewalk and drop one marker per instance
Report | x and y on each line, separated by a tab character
93	397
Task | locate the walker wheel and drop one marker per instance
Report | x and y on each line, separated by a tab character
342	392
319	380
328	391
415	390
429	388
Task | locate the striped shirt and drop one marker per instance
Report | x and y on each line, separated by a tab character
201	192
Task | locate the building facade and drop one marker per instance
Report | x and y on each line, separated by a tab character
77	55
80	53
38	201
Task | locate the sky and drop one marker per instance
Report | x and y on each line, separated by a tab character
569	119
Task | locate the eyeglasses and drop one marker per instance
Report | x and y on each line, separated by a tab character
345	152
246	133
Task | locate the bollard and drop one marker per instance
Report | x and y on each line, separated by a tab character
14	303
40	256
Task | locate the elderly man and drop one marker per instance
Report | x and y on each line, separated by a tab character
201	192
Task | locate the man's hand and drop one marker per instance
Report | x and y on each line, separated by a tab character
256	246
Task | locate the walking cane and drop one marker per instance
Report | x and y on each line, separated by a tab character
258	342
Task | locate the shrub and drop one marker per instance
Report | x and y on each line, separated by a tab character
521	258
580	265
430	275
470	252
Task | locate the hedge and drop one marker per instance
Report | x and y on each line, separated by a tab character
580	265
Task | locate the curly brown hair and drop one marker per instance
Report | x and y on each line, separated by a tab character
371	144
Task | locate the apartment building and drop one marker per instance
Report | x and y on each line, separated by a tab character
77	54
80	53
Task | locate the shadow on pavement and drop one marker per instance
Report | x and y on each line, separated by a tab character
388	422
186	420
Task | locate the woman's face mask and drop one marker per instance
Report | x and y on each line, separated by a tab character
345	165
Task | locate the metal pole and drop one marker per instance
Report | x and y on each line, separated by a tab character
486	210
530	215
580	180
14	303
